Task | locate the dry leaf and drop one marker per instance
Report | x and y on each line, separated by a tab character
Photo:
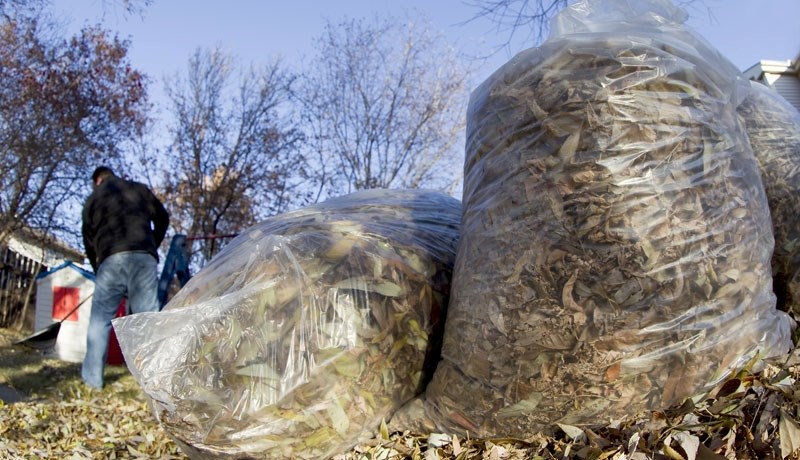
789	434
574	433
688	442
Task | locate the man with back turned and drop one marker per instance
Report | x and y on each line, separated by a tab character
123	225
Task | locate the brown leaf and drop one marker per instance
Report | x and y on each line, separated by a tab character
789	434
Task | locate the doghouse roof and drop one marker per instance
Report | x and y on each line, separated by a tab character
68	264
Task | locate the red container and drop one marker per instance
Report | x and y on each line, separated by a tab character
115	357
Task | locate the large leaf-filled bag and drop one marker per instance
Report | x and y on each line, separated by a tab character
616	241
304	332
773	128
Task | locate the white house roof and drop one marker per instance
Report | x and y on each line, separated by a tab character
781	76
44	249
761	68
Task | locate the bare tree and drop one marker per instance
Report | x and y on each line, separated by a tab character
531	18
233	159
512	16
12	7
383	105
130	6
65	105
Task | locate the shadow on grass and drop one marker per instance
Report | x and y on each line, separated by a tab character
37	374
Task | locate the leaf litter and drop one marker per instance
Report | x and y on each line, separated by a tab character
742	418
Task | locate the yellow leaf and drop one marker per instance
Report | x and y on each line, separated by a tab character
338	417
384	430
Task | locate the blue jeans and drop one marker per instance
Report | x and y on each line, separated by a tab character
124	274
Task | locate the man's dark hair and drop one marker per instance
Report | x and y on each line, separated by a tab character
101	173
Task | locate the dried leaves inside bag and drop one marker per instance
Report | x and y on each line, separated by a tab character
615	241
304	332
773	127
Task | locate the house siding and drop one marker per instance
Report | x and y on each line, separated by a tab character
788	86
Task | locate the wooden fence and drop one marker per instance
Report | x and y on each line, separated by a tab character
17	285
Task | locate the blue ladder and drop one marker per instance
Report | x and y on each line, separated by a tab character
175	265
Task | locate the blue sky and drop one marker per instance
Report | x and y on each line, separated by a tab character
254	31
745	31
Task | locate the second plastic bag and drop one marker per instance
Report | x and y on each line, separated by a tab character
305	331
773	128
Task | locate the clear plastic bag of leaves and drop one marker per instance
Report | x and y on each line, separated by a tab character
615	245
304	332
773	128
